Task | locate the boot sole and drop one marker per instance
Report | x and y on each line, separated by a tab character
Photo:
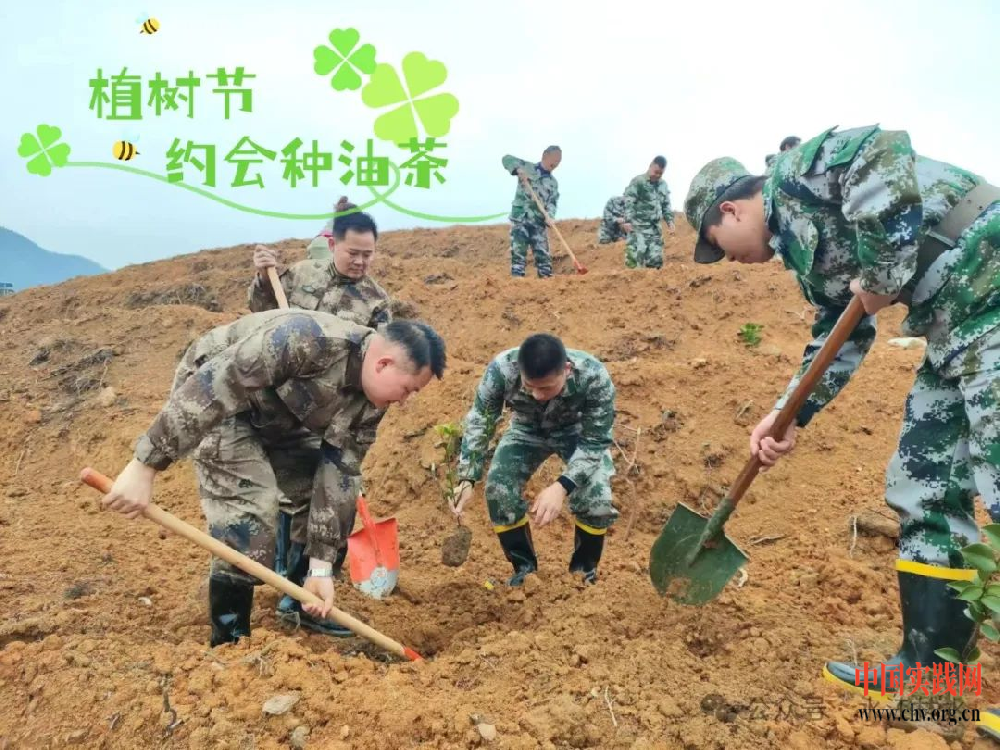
874	695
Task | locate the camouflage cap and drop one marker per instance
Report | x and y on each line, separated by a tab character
707	187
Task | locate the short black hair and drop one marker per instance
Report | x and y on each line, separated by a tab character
550	149
660	161
422	344
745	187
790	142
540	355
357	221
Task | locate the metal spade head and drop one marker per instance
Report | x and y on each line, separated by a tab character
691	573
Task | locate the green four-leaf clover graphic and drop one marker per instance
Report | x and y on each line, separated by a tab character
42	151
346	58
420	75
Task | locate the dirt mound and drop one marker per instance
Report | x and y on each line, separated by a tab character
104	632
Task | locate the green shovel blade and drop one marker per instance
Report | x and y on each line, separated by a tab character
688	581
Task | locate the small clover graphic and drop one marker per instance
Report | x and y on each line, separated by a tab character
385	89
346	58
42	151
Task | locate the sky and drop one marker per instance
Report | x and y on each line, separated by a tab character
613	85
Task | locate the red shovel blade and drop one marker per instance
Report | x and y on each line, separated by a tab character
373	554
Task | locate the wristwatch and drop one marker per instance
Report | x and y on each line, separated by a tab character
319	573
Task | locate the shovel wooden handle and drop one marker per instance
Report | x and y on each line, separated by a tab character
580	268
848	321
169	521
369	526
279	291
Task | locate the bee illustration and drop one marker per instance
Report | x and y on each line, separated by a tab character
149	25
125	149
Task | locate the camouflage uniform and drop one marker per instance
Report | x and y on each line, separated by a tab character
317	285
576	425
272	409
646	204
611	229
858	203
527	225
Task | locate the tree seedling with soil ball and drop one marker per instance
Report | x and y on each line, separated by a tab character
455	549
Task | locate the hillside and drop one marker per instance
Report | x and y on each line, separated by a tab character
25	264
102	617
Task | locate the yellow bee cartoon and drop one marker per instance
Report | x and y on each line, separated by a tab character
125	149
149	25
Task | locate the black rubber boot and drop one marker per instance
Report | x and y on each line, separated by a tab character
932	619
282	540
587	549
229	605
519	551
290	610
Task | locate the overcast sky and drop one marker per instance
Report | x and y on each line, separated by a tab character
613	87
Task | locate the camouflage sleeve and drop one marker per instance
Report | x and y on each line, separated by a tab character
667	211
840	370
596	429
355	443
881	198
260	296
631	196
221	387
512	163
610	216
553	199
481	422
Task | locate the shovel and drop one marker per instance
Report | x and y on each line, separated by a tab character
580	268
373	552
693	559
172	523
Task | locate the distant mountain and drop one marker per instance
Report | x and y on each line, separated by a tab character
24	264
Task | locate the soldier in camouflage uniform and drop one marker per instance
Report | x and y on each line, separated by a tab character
787	144
613	222
647	203
242	394
562	402
339	285
527	224
858	212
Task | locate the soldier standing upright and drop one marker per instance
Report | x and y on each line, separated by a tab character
647	203
527	224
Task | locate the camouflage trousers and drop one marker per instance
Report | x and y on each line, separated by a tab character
523	235
609	232
244	478
949	451
519	454
644	247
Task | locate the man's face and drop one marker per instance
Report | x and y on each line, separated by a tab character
353	255
742	235
547	388
392	379
655	172
551	160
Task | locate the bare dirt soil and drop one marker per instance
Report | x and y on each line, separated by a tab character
104	623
